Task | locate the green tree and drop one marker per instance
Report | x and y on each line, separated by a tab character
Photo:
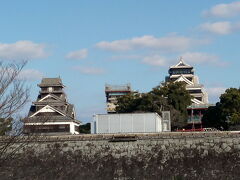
230	105
176	95
85	128
128	103
178	99
213	117
136	102
171	97
226	113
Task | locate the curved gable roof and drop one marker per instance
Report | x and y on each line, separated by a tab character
181	64
184	79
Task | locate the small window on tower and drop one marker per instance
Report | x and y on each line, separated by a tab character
50	89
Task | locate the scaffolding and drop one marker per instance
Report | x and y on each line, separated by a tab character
124	87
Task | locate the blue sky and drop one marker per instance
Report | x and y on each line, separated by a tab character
90	43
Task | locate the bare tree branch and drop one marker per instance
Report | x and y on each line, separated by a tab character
13	96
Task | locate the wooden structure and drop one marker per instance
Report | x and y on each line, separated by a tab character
51	112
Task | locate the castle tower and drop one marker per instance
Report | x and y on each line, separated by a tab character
51	112
113	92
185	73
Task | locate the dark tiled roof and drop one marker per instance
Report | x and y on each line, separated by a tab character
51	81
42	119
69	110
62	98
50	103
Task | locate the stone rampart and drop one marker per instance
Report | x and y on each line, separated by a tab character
132	143
133	156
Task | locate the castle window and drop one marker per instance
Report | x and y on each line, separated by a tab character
76	128
50	89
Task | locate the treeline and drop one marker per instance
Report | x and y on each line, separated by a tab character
174	97
226	113
171	97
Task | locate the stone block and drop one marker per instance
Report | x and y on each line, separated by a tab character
236	141
205	152
227	149
224	145
189	141
193	146
237	146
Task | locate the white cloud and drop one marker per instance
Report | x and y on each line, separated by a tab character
202	58
221	28
80	54
30	74
189	57
22	50
217	27
125	57
167	44
224	10
27	74
214	93
90	70
155	60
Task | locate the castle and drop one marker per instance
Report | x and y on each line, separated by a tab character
182	72
51	112
185	73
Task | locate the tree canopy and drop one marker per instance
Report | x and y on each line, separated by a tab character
226	113
85	128
170	96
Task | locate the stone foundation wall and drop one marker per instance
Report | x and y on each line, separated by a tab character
132	144
172	155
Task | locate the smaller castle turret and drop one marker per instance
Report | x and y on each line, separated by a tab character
113	92
51	112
